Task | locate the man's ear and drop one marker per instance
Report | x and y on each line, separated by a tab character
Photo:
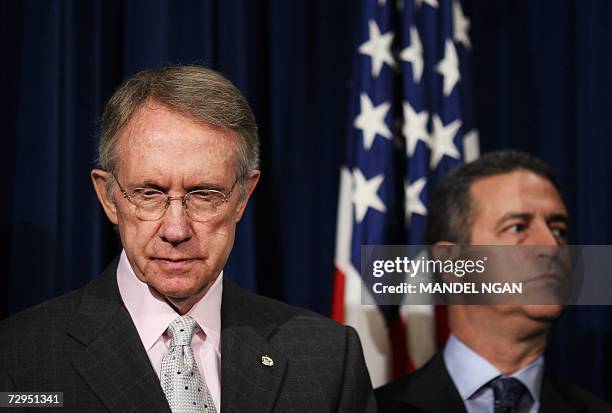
446	251
251	183
99	178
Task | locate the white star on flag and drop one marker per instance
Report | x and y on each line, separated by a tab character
414	54
432	3
414	128
442	141
461	26
414	205
378	47
365	194
371	120
448	67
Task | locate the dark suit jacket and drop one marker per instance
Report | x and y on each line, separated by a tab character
85	344
431	389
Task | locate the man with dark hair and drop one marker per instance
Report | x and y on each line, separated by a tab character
451	207
493	360
163	329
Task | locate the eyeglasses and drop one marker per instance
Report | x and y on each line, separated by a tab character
200	205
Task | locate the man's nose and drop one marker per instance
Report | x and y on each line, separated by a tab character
543	244
175	226
542	234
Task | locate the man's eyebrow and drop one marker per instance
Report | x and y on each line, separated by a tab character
149	184
525	216
558	218
204	185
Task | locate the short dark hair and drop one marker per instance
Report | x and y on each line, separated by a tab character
450	212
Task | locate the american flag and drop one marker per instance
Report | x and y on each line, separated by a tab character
410	123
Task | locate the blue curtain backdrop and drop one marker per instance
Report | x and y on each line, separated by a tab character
543	84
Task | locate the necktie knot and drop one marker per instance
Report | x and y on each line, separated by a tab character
508	392
181	331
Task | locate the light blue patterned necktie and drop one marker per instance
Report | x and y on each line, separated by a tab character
180	378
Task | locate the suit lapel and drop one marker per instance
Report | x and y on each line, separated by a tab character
555	399
247	383
432	389
113	361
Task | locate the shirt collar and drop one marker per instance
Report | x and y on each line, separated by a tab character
470	372
531	376
152	314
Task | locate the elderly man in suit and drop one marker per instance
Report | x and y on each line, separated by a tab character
163	329
493	360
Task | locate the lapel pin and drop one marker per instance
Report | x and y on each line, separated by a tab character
267	361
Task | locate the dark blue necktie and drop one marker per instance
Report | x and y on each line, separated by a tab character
508	393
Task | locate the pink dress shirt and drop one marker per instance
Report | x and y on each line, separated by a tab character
152	315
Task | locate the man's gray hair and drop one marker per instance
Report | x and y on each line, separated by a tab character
196	92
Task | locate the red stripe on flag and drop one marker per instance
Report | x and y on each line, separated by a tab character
337	307
401	363
442	330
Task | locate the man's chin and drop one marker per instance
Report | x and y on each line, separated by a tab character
543	312
172	286
180	289
177	293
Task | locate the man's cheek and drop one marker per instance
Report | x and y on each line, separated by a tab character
209	231
143	231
